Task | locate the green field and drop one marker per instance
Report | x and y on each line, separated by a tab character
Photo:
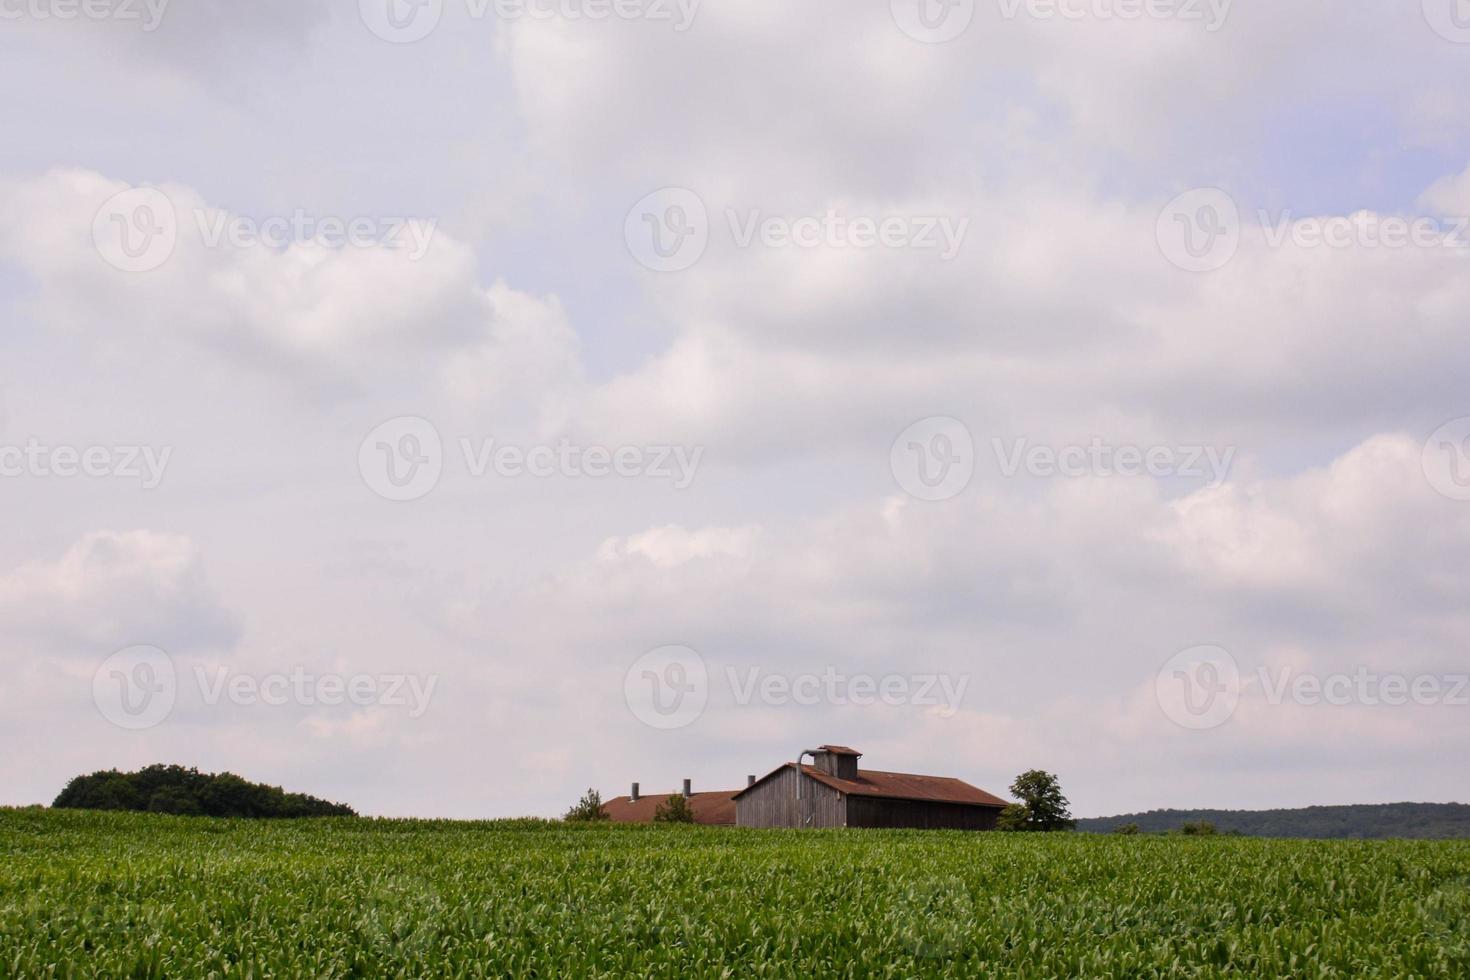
137	895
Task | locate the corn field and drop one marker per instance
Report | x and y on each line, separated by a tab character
136	895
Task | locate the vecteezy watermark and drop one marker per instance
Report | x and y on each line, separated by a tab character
148	14
933	918
301	229
835	229
942	691
306	689
1450	19
669	688
1201	230
1202	687
933	459
407	21
137	688
669	230
138	230
1199	688
146	464
1100	459
1211	13
933	21
1446	459
403	459
678	464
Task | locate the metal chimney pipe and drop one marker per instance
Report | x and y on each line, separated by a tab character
635	793
749	781
687	784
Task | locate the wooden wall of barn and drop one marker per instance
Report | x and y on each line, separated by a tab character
773	803
872	811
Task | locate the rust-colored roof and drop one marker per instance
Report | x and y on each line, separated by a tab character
840	750
709	808
899	786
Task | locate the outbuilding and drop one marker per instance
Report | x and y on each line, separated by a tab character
834	792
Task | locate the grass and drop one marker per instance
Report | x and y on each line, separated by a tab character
136	895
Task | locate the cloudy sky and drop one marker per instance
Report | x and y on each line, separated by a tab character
445	407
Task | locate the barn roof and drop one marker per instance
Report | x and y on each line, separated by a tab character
897	786
839	750
709	808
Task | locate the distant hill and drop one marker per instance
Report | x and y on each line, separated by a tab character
189	792
1421	821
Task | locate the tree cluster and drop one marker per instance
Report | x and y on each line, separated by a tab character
189	792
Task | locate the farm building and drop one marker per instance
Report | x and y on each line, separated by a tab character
834	792
709	808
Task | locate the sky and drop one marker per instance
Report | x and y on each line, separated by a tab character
446	406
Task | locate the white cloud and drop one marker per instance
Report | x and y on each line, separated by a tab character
112	590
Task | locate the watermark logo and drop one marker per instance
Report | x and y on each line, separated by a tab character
407	21
1447	910
668	230
136	230
667	688
943	692
1211	13
1446	459
402	459
932	918
835	229
136	688
934	459
302	229
308	690
1199	231
677	464
933	21
1101	459
148	13
1202	687
1199	688
1450	19
145	464
401	21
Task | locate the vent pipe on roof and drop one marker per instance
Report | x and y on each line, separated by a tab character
688	783
804	752
634	795
749	781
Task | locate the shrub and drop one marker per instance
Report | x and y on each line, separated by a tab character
673	810
1127	829
587	809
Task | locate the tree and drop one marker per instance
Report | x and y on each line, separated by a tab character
588	809
1042	808
673	810
1128	829
174	799
1014	818
175	789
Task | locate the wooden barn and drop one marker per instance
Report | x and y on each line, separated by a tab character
834	792
708	808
